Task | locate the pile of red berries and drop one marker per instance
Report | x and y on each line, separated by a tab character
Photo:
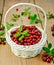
34	38
52	29
47	58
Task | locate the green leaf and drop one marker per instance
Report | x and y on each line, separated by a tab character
25	32
16	15
39	20
0	14
2	33
21	27
32	21
27	11
13	19
9	25
33	17
52	51
46	49
49	15
17	34
49	45
21	37
4	39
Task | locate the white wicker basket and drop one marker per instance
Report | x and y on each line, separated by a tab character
26	51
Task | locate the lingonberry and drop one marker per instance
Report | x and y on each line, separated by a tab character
45	54
48	60
44	59
28	17
17	9
51	57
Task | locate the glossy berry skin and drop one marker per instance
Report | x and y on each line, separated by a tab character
45	54
52	28
48	60
51	57
44	59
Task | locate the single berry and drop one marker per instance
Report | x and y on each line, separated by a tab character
3	43
52	28
22	13
17	9
48	60
16	42
51	57
28	17
44	59
45	54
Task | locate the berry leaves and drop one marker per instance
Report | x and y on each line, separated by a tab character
2	33
49	45
52	52
15	17
46	49
49	15
9	25
21	33
49	49
34	18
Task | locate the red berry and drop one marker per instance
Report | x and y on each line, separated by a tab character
33	40
16	42
44	59
3	43
52	28
22	41
31	36
45	54
48	60
12	38
28	17
51	57
17	9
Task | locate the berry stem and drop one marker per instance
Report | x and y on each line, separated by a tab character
47	42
